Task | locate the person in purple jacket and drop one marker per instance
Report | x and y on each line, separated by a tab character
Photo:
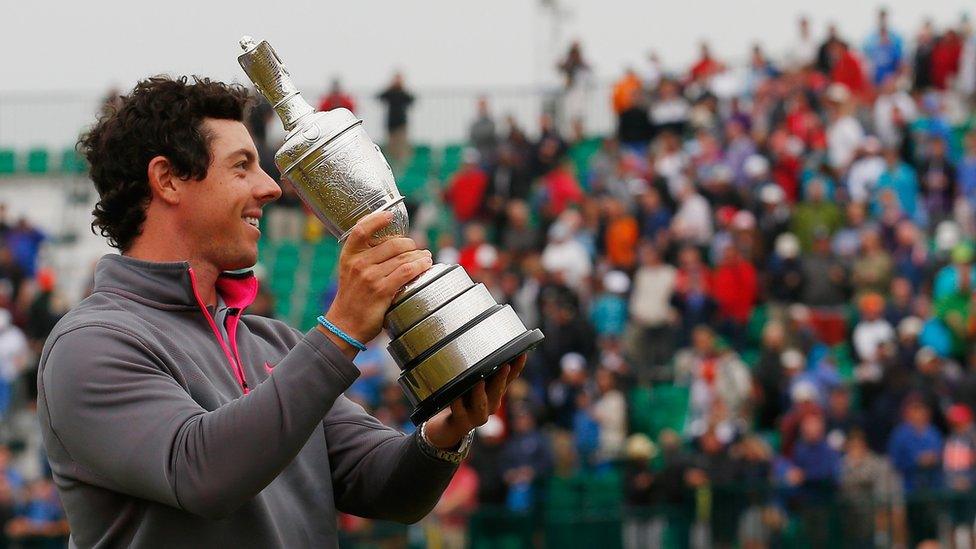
173	419
915	449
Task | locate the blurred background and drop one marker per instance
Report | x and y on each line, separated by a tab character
746	228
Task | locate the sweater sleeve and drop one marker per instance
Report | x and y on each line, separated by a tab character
131	427
378	472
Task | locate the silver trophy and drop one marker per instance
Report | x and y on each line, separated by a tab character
446	332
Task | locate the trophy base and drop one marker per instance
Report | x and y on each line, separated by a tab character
481	370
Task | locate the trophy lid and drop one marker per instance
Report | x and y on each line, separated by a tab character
271	78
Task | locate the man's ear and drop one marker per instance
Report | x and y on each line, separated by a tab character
163	183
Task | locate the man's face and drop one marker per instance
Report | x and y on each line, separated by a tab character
222	212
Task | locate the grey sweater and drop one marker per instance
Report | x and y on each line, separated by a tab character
163	433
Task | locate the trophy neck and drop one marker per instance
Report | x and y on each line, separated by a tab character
271	78
293	110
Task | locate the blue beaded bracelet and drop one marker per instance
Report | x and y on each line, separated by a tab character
342	335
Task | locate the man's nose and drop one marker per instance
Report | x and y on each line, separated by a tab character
267	189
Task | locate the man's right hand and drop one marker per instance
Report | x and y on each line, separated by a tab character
370	273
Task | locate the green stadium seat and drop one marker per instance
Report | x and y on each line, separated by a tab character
37	161
8	162
641	412
72	162
450	161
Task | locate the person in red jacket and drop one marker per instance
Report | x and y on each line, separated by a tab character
847	70
735	288
466	191
945	59
562	189
337	98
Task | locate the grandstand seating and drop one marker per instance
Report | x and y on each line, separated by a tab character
8	162
655	409
40	161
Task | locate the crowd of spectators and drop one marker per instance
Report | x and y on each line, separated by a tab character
30	510
788	244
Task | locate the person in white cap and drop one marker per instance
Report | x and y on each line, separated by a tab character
566	255
844	132
865	171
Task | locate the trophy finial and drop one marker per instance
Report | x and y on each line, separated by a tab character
268	73
247	43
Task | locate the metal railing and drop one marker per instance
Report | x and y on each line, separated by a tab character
53	120
720	516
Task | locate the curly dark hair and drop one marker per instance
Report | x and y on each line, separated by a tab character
162	116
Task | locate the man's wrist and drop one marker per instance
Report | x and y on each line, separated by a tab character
454	454
346	349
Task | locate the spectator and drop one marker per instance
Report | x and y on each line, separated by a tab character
873	269
41	521
816	213
863	176
959	466
482	133
526	460
24	241
692	222
817	474
337	98
937	181
712	374
398	101
670	110
785	271
642	526
803	52
900	179
650	334
450	515
610	412
873	493
915	449
894	111
883	49
844	133
486	461
575	71
735	290
608	313
924	48
564	254
466	191
14	356
824	276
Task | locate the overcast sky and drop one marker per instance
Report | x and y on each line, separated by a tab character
91	45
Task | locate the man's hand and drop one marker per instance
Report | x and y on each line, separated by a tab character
370	273
446	429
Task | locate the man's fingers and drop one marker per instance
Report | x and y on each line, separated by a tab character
517	366
361	233
389	266
387	249
407	271
459	412
496	388
477	405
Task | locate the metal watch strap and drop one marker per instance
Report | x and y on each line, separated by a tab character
450	456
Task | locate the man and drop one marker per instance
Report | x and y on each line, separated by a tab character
398	101
172	419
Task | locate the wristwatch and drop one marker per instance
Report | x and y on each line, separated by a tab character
450	456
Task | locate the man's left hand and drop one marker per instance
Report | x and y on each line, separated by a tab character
446	429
